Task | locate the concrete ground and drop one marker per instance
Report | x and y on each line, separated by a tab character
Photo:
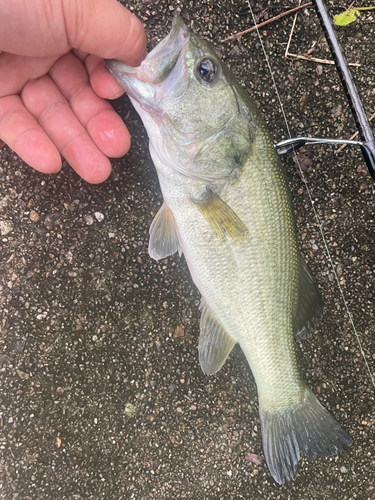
102	395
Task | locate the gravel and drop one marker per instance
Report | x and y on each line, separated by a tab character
102	395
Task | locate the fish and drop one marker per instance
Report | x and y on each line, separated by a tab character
227	208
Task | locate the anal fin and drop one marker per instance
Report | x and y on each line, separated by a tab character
220	217
214	345
163	235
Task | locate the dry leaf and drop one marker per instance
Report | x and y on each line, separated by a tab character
255	459
179	332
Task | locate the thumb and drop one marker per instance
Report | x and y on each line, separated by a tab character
106	29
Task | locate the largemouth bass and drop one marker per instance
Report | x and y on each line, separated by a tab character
227	208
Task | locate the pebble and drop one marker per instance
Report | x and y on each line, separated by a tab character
34	216
236	51
89	220
22	375
319	70
50	220
6	227
130	409
343	470
99	216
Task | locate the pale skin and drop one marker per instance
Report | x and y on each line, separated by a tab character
53	82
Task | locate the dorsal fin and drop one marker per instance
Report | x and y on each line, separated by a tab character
163	235
309	306
215	344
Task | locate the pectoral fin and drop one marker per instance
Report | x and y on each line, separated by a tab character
163	235
309	306
221	218
215	344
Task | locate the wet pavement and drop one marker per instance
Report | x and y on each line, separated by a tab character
102	395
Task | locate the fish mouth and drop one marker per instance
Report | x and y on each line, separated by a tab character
158	64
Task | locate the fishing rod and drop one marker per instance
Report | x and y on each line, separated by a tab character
367	143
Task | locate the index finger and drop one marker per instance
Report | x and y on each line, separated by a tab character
106	29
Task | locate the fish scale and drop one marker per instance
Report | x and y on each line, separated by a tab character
227	209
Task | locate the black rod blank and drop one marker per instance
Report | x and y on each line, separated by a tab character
363	125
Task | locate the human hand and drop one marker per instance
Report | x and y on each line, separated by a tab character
53	81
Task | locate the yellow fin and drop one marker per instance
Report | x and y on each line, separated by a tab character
220	216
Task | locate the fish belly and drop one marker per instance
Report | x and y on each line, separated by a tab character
250	286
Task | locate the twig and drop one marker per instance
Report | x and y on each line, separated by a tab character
321	61
352	137
291	32
237	35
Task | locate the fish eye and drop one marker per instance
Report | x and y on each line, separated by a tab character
207	70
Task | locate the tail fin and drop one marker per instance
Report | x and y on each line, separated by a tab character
306	430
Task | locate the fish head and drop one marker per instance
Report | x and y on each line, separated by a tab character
198	118
143	83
